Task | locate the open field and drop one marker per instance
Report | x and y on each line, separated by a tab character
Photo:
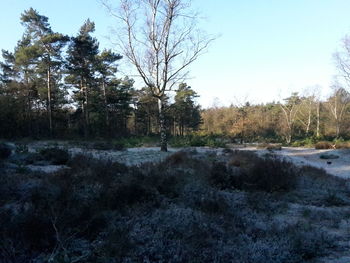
200	204
309	156
138	155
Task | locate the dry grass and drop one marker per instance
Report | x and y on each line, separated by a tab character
324	145
270	147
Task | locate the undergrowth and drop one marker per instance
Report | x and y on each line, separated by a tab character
187	208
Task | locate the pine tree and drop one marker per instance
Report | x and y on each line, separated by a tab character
82	60
49	46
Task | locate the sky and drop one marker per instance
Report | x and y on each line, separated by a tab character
265	49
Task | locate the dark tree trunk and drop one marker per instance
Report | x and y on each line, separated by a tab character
49	107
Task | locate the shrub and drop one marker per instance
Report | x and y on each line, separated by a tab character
269	147
102	211
327	156
55	155
21	148
119	146
269	175
342	145
274	147
305	142
242	159
5	151
227	151
131	193
176	158
311	243
220	176
197	141
324	145
102	146
333	199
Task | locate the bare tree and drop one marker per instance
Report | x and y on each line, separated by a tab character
160	40
290	110
337	105
342	59
310	109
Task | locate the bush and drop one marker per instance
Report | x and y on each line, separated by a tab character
328	156
242	159
176	158
269	147
342	145
119	146
104	146
324	145
21	148
55	155
269	175
305	142
5	151
197	141
102	211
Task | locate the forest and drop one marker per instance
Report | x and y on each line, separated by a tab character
58	86
86	174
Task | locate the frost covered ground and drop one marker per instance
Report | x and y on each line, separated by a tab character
313	216
135	156
308	156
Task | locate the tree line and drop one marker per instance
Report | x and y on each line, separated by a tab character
298	117
54	85
58	86
304	116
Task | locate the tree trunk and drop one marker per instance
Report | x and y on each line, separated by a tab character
106	104
162	128
28	114
337	129
308	121
318	120
84	108
49	108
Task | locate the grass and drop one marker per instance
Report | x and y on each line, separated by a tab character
198	141
188	208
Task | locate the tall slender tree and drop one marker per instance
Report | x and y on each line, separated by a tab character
49	45
106	69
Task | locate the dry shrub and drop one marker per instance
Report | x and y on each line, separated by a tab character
55	155
176	158
269	175
220	177
269	146
324	145
242	159
274	147
5	151
342	145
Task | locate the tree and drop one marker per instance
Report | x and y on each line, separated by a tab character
185	111
106	68
161	42
82	53
337	105
49	46
146	112
290	110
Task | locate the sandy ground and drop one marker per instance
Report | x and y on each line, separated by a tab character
136	156
300	156
308	156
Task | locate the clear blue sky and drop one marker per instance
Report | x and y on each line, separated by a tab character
267	49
